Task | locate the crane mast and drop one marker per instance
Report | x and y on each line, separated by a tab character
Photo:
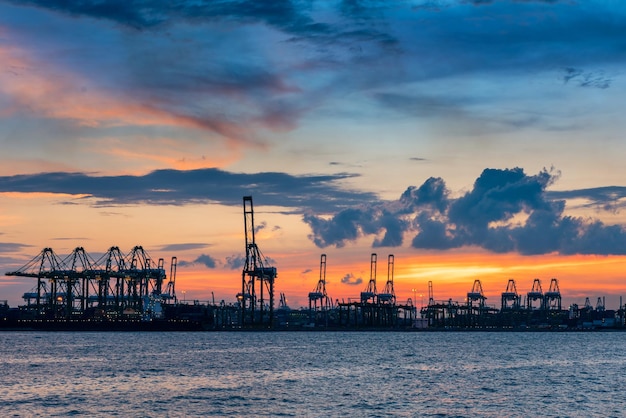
388	294
319	293
257	277
370	291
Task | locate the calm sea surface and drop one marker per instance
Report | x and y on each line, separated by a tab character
465	374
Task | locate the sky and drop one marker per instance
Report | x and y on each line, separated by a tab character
474	140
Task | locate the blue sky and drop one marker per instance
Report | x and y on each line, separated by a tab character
411	126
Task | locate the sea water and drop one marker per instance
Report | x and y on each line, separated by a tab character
313	374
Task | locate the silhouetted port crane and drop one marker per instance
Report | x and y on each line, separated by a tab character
388	295
45	266
535	294
77	285
369	294
319	295
510	298
170	292
257	276
431	296
552	298
77	277
476	295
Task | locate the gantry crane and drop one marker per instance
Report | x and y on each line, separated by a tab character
388	295
68	287
257	276
319	293
45	266
510	298
369	294
476	295
536	293
431	295
170	292
552	298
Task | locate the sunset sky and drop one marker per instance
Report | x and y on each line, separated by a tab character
471	139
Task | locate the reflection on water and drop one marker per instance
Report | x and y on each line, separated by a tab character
463	374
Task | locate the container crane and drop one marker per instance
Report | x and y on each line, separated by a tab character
388	295
257	276
170	291
431	296
535	294
552	298
319	293
369	294
510	298
476	295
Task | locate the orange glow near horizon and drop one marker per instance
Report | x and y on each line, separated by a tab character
217	232
452	276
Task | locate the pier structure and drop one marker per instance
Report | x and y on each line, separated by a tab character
373	309
115	285
119	287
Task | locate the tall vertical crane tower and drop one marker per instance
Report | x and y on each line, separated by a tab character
510	298
388	294
476	295
257	277
369	294
319	293
552	298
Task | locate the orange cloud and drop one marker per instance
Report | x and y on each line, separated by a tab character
157	153
70	96
41	195
14	166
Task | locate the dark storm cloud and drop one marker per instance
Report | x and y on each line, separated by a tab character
184	246
173	187
511	37
497	196
587	79
236	262
355	46
11	247
422	106
260	226
203	259
292	17
386	218
604	198
506	211
207	260
351	280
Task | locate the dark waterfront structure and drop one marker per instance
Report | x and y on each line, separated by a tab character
130	291
374	309
539	311
257	278
116	291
